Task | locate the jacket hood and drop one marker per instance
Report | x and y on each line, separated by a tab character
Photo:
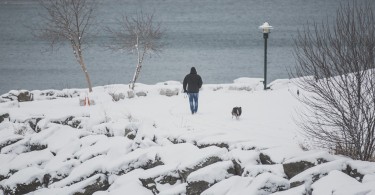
193	71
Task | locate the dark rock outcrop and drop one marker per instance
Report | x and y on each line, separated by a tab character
131	131
25	96
353	173
70	121
265	160
197	187
3	117
220	145
33	123
9	142
23	188
150	184
292	169
185	172
100	184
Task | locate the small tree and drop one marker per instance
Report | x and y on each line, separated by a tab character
335	63
139	34
68	20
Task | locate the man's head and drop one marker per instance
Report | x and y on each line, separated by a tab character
193	70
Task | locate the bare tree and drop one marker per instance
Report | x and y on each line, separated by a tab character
140	35
335	63
68	20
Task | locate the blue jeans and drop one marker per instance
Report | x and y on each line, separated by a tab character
193	100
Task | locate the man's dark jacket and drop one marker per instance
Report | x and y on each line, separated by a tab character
193	82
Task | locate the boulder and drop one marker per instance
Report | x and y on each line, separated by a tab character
130	94
96	183
220	145
159	175
23	188
141	93
185	172
315	173
200	180
33	123
169	92
10	140
150	184
306	160
70	121
25	96
267	183
117	96
23	181
255	170
131	131
196	187
265	160
293	169
352	172
3	117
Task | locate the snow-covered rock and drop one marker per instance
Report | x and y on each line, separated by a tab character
153	145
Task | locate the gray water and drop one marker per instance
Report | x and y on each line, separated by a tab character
219	37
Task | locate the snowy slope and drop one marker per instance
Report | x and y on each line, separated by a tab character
151	144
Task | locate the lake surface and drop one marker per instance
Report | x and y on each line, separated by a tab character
219	37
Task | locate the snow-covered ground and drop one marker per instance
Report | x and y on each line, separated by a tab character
151	144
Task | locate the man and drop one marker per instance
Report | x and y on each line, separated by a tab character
193	82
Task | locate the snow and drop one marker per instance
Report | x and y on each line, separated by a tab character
25	175
212	173
168	142
330	183
319	170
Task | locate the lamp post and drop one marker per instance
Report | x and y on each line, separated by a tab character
266	28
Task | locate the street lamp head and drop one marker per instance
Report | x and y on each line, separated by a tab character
266	28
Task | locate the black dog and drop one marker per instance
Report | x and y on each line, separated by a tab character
236	111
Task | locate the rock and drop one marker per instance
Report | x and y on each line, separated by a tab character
160	175
130	94
23	188
117	96
197	187
23	181
220	145
96	183
3	117
306	160
314	173
169	92
25	96
208	161
131	131
265	160
143	162
255	170
267	183
33	123
150	184
293	169
198	181
37	147
152	163
141	93
170	179
334	181
70	121
10	141
353	173
238	170
240	88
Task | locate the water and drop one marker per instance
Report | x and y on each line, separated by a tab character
219	37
